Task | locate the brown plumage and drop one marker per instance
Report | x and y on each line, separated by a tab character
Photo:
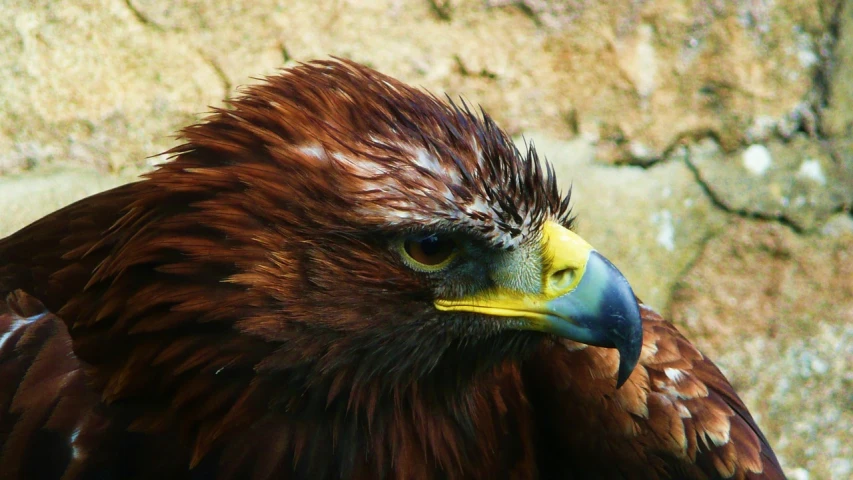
246	311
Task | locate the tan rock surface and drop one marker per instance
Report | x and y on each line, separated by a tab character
775	310
90	89
636	75
25	198
797	181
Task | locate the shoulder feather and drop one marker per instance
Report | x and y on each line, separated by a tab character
676	417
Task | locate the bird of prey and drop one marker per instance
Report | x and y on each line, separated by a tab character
340	276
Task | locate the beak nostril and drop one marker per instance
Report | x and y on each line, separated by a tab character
562	278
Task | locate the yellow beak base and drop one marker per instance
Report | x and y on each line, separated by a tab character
583	297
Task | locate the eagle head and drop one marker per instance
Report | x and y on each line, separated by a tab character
342	221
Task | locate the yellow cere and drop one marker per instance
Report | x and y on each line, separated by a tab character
565	256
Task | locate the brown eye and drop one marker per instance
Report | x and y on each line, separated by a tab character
431	251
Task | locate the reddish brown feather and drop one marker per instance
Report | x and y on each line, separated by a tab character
673	437
238	314
44	396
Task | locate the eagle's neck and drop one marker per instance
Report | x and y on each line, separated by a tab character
454	424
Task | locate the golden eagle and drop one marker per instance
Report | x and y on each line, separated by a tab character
341	276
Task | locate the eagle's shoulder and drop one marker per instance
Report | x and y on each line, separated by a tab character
677	416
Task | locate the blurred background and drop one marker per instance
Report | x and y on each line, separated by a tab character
709	143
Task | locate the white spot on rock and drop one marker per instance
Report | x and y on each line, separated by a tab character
757	159
799	474
838	225
666	234
640	151
645	62
807	58
841	467
762	127
819	366
637	58
812	170
804	48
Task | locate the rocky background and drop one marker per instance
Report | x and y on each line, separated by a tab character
710	144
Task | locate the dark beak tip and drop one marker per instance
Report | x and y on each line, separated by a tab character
625	371
625	332
629	353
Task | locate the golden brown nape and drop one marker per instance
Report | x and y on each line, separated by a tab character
344	277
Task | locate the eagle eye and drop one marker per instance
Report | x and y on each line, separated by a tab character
431	252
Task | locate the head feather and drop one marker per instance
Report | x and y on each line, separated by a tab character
393	155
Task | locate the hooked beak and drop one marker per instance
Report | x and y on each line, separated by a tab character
583	298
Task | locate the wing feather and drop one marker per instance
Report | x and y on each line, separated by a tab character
676	417
44	402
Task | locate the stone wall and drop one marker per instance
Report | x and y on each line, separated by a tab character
710	144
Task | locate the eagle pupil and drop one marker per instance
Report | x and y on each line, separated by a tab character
432	245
